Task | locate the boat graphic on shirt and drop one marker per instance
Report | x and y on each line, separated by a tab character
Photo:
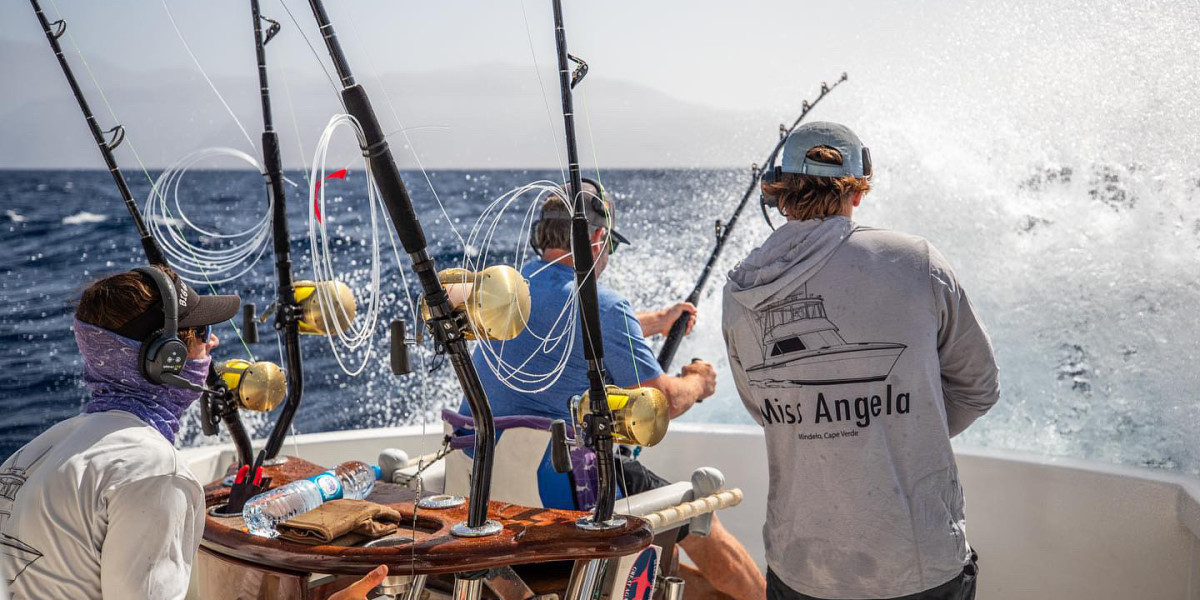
801	346
15	555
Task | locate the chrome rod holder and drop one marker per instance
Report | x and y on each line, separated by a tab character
585	577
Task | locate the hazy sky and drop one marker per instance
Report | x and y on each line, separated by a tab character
713	52
679	83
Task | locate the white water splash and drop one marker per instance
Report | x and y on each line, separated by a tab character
84	217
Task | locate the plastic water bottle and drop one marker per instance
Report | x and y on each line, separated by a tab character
353	480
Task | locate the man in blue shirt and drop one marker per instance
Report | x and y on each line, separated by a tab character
539	371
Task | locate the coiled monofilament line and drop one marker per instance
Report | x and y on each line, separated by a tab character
132	148
237	252
359	332
559	340
481	236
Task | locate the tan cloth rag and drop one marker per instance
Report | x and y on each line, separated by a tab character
336	518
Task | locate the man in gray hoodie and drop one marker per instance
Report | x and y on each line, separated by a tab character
858	352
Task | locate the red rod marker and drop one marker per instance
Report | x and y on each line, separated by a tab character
317	192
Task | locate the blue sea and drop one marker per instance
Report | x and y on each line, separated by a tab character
1084	274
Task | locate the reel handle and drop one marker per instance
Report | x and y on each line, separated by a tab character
560	455
399	349
249	324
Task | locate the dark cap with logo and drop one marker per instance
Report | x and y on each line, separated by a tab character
194	311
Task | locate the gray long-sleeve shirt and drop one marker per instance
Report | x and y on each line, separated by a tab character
860	355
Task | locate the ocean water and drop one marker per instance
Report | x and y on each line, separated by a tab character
1084	274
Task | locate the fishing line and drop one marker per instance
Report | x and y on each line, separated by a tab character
587	120
562	168
408	141
483	235
133	148
560	333
193	262
359	332
300	30
204	74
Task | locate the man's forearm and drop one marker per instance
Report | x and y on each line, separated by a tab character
651	322
682	392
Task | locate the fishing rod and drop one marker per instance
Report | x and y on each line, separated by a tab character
445	326
667	354
287	317
216	391
597	424
54	31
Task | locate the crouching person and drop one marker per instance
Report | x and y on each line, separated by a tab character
858	352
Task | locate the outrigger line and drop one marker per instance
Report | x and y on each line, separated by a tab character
445	326
597	424
217	402
287	312
667	354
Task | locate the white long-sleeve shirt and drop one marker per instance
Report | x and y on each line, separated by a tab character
858	352
99	506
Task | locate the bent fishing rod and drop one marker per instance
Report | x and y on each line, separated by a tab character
666	355
597	424
287	317
444	325
154	253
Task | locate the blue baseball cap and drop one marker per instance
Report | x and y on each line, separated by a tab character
856	158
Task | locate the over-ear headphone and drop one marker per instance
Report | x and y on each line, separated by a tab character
163	354
598	201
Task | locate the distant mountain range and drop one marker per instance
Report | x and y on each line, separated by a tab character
485	116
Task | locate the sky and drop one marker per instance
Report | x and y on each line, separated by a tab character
660	70
672	83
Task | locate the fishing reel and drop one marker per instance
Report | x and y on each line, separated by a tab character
492	304
495	301
257	386
240	385
339	311
640	417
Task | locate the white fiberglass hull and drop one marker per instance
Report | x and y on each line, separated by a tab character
849	363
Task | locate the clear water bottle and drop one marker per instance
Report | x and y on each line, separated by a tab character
353	480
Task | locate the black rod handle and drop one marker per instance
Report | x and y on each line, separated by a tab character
674	337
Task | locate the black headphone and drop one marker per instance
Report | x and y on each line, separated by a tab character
162	355
598	204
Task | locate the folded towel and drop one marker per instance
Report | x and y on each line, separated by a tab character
336	518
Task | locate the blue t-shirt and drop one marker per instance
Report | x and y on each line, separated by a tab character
539	348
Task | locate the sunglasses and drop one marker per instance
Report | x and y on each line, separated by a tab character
202	333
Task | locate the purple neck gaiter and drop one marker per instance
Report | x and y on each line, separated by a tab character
112	373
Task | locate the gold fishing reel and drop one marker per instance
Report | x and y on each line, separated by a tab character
258	386
640	416
340	307
495	300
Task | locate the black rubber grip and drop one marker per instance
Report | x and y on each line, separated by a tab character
560	455
387	175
